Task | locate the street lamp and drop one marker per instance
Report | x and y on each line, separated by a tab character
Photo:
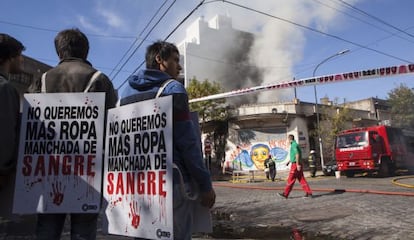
316	102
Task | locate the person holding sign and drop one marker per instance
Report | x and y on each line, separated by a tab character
162	63
73	74
11	60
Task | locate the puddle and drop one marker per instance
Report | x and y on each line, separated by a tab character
224	228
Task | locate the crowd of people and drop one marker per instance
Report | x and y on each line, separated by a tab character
75	74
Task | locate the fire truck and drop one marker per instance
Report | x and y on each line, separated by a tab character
376	149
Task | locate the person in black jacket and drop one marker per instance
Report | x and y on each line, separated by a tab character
11	61
271	165
73	74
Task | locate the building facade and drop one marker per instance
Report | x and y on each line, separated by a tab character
28	81
256	130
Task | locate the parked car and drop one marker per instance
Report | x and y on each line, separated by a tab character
330	168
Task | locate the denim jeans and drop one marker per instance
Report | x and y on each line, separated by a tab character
82	226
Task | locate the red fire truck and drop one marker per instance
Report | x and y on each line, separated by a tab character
381	149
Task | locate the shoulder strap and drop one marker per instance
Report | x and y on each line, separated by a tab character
43	89
162	87
92	80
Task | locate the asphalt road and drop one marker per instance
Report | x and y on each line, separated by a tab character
346	208
357	208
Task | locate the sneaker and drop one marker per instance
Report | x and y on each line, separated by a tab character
281	195
307	195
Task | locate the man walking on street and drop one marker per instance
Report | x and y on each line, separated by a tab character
296	170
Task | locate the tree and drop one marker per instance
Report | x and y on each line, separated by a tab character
211	109
401	100
334	118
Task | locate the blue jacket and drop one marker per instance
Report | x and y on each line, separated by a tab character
187	154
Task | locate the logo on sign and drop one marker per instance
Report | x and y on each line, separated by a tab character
86	207
161	234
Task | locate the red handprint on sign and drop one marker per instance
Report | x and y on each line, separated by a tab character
57	193
134	214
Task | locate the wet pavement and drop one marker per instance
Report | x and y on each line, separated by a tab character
357	208
346	208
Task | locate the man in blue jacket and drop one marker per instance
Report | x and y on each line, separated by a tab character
162	65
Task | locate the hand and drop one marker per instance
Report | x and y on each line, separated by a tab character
208	198
298	167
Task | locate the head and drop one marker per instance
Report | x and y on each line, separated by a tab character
163	56
259	153
71	43
291	138
11	53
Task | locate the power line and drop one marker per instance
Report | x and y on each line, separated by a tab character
139	45
363	21
179	24
139	35
376	18
56	31
182	21
317	31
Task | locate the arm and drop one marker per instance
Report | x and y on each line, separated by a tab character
9	125
188	146
298	161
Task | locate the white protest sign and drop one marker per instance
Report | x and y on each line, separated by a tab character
137	187
59	166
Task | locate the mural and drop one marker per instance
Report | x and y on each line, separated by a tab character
250	148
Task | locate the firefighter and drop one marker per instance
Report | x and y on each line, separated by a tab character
312	163
207	153
270	165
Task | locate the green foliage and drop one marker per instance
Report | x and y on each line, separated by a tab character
401	100
207	110
334	119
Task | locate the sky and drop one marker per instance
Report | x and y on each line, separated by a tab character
293	37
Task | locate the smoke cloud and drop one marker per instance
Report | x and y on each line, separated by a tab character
276	46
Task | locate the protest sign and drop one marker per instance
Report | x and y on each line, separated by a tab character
60	153
137	185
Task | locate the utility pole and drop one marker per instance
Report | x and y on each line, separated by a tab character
317	105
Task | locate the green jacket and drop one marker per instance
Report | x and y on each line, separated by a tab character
294	149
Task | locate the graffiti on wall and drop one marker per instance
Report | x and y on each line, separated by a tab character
251	148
